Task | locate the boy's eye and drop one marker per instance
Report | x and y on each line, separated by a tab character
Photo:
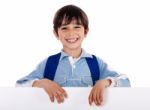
77	27
63	28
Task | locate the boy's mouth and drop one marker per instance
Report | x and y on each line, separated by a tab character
72	40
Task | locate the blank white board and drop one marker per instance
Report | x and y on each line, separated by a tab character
36	99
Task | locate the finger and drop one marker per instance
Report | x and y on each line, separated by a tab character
94	97
98	98
56	96
102	95
64	93
91	97
61	97
62	90
51	97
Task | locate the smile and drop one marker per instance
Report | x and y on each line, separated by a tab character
72	40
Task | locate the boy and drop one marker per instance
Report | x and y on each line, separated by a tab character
73	67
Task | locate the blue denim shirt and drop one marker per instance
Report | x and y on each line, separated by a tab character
77	74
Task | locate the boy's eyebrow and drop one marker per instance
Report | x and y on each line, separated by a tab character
63	24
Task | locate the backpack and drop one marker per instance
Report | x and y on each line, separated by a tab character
53	61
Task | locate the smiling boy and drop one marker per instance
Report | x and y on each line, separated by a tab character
73	66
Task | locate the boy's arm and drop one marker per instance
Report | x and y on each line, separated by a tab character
107	78
97	92
37	74
26	84
36	79
117	80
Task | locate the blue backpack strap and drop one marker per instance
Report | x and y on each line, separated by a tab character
51	66
52	63
94	68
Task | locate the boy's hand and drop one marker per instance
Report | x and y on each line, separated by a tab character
97	91
52	89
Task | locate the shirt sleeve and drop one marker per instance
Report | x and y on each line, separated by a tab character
26	84
37	74
117	79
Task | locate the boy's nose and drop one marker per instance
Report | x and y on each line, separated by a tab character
71	32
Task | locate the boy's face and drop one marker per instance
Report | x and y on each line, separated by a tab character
71	35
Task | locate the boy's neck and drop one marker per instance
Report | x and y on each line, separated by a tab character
75	53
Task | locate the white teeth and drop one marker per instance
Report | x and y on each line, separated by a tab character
72	40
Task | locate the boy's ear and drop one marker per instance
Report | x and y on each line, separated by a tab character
56	34
86	32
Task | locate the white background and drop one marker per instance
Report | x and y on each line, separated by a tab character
119	34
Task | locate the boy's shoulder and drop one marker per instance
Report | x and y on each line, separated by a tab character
54	55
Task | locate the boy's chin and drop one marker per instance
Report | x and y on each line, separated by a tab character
73	47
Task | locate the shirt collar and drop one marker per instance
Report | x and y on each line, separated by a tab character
84	54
